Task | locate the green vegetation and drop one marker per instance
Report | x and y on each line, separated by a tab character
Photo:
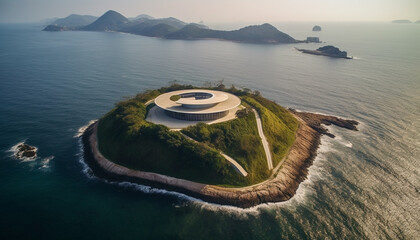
175	97
279	126
125	137
237	138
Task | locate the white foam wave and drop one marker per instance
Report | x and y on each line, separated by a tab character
85	168
45	163
326	145
338	138
151	190
143	188
315	173
14	148
82	129
242	213
343	142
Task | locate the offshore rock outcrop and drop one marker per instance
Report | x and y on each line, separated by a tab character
329	51
315	121
25	151
280	187
316	28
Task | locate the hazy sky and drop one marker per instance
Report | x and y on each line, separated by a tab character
218	10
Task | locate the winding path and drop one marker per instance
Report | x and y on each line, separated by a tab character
235	164
263	140
232	161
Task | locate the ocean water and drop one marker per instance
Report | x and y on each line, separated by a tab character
362	185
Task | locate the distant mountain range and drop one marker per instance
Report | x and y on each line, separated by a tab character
170	28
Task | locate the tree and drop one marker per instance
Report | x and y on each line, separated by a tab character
220	85
208	84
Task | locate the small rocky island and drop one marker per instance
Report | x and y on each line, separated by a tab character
238	149
316	28
25	151
401	21
329	51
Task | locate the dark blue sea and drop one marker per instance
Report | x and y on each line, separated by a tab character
362	185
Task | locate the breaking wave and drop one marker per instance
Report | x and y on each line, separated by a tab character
82	129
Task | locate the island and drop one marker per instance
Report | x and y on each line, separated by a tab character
313	40
222	145
329	51
25	151
170	28
316	28
401	21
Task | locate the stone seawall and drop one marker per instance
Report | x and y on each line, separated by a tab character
280	187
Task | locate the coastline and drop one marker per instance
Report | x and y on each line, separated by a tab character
280	187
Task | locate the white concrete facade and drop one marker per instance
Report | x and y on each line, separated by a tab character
197	104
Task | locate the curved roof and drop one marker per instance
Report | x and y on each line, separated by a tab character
216	98
219	102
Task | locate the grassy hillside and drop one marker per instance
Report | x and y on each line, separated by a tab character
279	126
125	137
237	138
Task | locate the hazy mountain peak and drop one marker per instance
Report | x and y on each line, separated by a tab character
109	21
145	16
113	14
74	20
259	28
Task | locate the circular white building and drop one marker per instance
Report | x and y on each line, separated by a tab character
197	104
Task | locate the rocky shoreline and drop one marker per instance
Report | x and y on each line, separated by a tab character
280	187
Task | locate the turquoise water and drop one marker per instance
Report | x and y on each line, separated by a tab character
363	185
